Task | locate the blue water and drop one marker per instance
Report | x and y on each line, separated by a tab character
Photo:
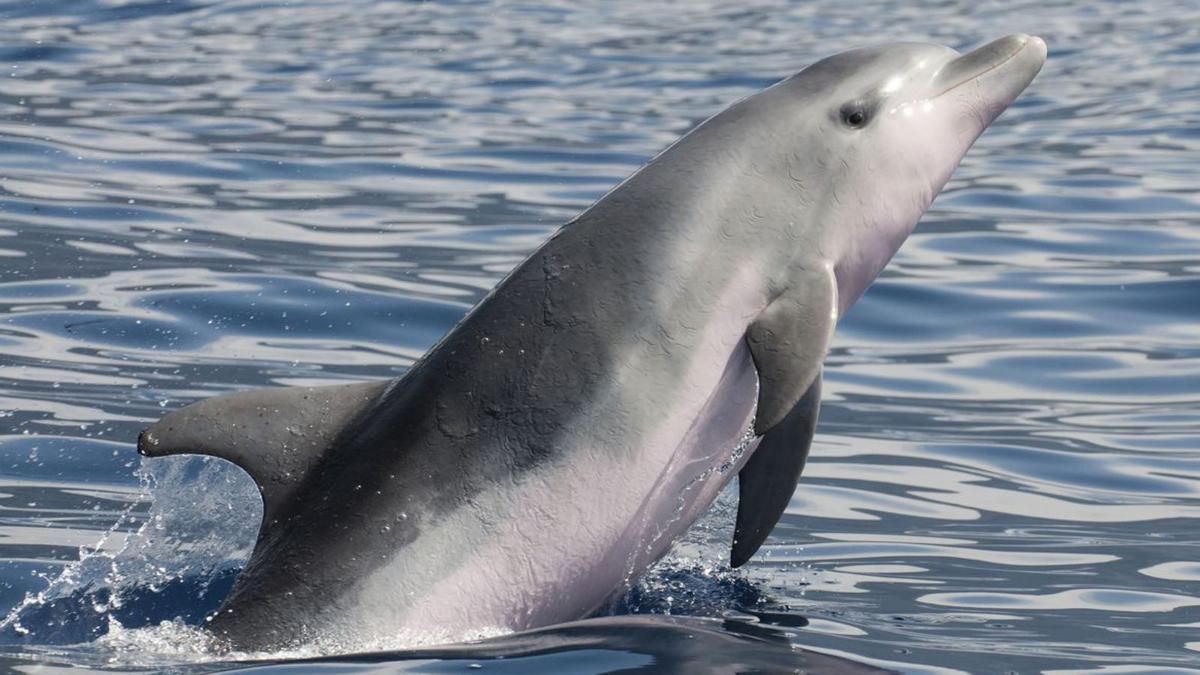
201	197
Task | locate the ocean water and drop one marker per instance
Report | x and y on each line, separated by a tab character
201	197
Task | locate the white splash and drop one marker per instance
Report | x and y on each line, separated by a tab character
203	517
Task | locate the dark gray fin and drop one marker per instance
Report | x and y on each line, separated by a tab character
766	483
276	435
788	342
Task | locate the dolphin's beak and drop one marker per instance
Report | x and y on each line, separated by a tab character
997	72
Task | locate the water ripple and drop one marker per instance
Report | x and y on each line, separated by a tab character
204	196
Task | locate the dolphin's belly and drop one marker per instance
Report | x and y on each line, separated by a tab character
557	544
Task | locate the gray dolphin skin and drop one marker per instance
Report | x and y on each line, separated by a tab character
552	445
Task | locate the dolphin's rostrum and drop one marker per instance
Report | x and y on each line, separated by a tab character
550	447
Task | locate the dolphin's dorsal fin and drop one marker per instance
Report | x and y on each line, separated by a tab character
767	481
276	435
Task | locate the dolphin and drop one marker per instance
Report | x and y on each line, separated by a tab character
549	448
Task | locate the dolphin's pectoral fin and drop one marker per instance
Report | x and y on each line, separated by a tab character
275	435
788	342
766	483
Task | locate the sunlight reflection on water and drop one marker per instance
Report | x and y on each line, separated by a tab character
197	197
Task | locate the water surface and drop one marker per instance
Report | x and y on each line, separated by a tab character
202	197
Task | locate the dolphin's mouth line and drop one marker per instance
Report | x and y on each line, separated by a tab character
999	64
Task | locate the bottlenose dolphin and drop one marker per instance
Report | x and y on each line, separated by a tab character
551	446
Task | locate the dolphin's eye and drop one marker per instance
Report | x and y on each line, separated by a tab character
854	116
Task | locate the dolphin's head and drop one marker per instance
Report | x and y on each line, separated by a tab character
889	125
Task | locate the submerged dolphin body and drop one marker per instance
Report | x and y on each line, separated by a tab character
672	644
549	448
